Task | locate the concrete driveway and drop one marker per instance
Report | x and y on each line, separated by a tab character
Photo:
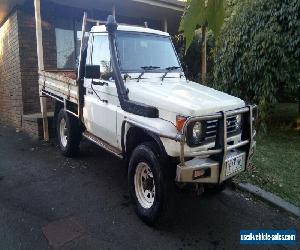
48	201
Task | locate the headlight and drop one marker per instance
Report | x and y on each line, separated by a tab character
197	132
238	121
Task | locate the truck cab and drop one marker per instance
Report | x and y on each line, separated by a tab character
148	64
134	100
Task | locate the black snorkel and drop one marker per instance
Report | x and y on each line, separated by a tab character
127	105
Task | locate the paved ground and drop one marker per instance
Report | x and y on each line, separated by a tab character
42	193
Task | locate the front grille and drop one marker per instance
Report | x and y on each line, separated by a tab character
210	131
211	127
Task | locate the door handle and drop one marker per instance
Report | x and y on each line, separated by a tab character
92	92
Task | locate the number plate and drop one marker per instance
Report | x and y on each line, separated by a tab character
235	164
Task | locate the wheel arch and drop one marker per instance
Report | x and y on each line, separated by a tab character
132	136
57	107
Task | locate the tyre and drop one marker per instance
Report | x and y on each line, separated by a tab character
147	185
68	133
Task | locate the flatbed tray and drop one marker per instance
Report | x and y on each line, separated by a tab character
59	84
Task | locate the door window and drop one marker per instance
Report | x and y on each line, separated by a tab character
101	55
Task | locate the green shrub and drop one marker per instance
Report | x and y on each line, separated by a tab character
191	61
258	58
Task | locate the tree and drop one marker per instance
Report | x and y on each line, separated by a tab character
258	57
202	13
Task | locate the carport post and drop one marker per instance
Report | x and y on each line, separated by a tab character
114	11
165	24
40	55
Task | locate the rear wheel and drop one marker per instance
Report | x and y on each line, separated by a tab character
68	133
147	185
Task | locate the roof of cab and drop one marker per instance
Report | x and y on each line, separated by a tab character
102	28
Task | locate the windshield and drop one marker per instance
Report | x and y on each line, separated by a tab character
138	52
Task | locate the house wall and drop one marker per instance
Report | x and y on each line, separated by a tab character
69	18
11	106
28	62
19	90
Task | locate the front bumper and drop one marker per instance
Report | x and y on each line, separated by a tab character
212	162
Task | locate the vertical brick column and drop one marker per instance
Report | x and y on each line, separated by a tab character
11	106
28	62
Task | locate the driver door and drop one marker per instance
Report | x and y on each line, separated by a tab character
100	101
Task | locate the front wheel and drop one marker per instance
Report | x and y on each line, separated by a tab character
68	133
146	183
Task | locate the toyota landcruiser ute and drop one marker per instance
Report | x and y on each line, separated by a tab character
130	96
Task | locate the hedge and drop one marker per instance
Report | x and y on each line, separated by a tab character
258	57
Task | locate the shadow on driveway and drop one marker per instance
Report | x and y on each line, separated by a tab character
39	187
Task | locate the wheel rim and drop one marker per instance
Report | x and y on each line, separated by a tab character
144	185
63	132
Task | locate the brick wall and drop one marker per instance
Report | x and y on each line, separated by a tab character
19	90
11	106
49	39
28	62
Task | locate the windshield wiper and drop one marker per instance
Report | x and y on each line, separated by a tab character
146	68
169	69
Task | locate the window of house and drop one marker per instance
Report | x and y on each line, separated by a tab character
65	48
78	34
68	41
65	43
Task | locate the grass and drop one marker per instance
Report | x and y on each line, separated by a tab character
276	164
284	115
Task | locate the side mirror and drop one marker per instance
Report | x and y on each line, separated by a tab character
92	71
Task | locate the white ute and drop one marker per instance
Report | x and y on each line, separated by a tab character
130	96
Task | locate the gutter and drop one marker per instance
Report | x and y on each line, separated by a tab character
175	5
270	198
